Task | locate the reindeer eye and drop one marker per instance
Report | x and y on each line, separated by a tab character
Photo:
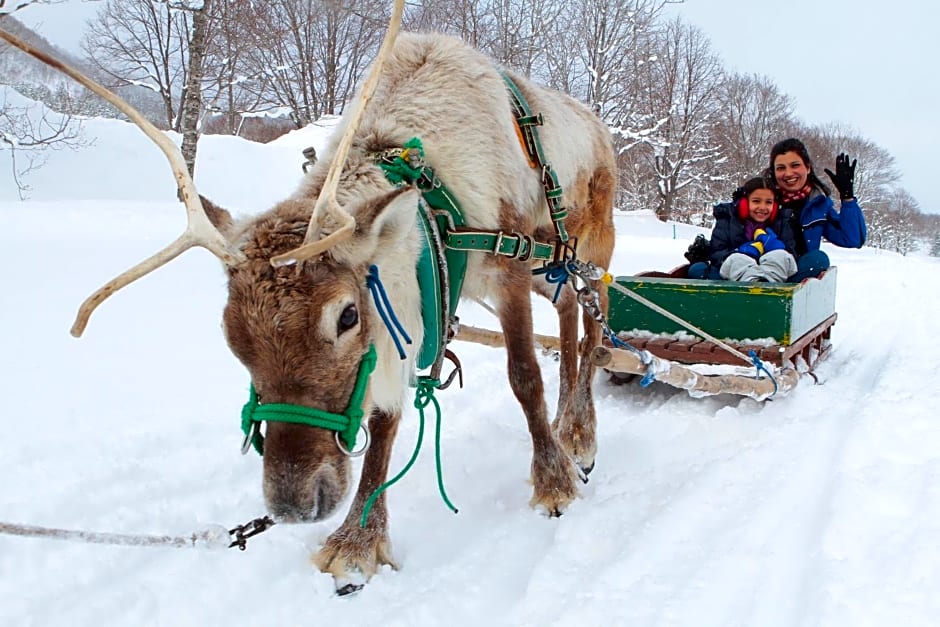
348	319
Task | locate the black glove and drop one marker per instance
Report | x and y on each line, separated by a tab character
844	177
698	251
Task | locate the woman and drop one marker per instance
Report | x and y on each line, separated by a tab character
752	239
813	214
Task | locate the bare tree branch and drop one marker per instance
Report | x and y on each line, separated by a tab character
28	132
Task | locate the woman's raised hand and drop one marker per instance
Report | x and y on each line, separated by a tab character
844	177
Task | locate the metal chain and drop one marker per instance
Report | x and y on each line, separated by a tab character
588	296
590	301
241	533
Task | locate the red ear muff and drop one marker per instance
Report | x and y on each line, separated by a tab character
744	210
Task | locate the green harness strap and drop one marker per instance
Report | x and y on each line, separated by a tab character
528	125
406	166
512	245
346	424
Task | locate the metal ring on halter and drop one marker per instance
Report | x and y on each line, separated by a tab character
246	443
360	452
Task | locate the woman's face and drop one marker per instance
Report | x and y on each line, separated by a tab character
760	204
790	172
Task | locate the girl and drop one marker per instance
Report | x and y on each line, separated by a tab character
752	239
813	214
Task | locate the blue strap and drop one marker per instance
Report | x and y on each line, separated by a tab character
554	273
385	310
650	375
760	366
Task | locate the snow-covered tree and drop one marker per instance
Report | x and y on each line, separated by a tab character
681	89
143	43
753	114
876	174
306	57
29	129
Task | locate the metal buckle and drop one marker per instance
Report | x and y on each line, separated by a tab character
499	243
526	240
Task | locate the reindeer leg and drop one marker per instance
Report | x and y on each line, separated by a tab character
553	475
576	426
567	308
352	554
575	422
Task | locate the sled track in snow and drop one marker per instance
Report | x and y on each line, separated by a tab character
718	483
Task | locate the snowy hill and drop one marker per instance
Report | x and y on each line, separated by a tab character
821	508
18	67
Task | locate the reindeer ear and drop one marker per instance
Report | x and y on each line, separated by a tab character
385	219
382	224
219	217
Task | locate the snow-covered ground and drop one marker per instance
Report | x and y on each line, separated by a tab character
821	508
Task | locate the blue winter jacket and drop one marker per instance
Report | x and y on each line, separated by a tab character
819	219
728	232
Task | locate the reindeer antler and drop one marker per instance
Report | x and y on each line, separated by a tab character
199	230
327	205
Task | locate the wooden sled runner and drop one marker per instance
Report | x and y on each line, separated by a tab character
785	325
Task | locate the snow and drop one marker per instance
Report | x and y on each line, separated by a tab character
821	508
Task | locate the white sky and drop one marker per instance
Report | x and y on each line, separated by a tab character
869	64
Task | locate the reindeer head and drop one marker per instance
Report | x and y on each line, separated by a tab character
295	315
302	331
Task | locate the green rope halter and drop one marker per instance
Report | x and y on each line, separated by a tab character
346	424
424	396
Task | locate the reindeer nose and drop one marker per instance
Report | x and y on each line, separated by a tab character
326	493
292	499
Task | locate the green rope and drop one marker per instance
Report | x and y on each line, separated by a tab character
401	171
347	423
424	396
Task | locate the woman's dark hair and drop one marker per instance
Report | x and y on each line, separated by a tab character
794	145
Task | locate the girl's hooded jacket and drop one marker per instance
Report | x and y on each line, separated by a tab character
728	232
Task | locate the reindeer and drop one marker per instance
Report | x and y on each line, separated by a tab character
299	314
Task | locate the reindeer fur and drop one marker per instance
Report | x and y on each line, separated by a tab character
282	322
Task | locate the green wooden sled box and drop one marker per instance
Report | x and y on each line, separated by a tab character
728	310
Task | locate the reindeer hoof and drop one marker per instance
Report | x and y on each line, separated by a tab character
349	588
586	471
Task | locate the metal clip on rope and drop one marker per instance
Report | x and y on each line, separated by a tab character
241	533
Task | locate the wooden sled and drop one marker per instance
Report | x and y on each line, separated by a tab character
786	325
